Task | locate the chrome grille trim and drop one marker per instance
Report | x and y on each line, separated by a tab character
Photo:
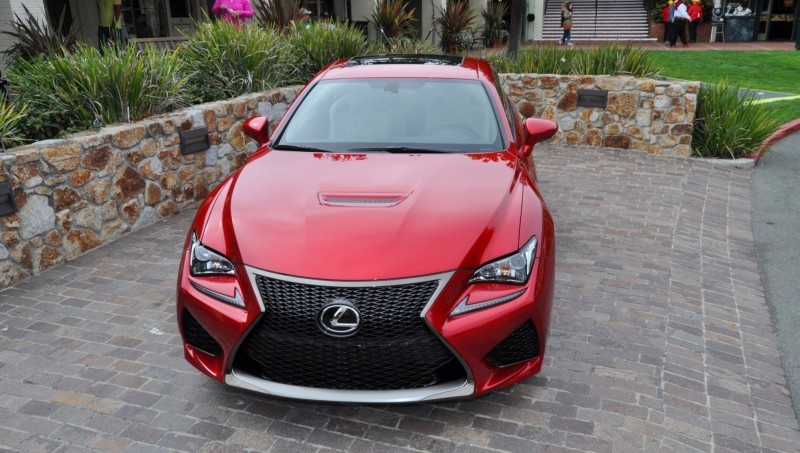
448	390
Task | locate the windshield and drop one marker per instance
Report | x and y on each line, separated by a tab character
436	115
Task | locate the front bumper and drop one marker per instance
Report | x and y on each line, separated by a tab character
471	338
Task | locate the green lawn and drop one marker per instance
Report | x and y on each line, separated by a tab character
777	71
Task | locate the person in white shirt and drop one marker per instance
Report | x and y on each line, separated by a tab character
678	28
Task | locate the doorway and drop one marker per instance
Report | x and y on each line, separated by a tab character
777	20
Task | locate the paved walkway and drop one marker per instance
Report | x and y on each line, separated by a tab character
661	340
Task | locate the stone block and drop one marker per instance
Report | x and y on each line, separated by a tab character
78	242
568	101
80	177
128	136
623	103
98	191
28	175
97	158
128	184
89	217
36	217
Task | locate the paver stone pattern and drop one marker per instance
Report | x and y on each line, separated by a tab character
661	340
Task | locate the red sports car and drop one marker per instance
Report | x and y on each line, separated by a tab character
386	244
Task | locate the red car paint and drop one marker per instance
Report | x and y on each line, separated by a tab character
443	213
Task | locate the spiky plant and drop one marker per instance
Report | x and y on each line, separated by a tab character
730	122
85	89
314	46
10	116
493	22
393	17
225	61
278	14
33	38
455	21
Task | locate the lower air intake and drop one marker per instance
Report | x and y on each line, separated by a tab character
522	345
198	337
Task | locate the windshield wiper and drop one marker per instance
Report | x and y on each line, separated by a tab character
401	149
299	148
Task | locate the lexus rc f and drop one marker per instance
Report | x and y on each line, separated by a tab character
387	242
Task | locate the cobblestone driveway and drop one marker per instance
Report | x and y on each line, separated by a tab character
661	340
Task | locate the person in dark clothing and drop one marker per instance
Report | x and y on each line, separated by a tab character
679	24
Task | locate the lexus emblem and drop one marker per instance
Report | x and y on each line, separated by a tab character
339	318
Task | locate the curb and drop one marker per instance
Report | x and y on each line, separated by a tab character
784	131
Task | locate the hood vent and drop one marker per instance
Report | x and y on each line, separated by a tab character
372	200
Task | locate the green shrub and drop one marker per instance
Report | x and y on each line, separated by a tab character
10	116
614	60
315	45
84	89
409	46
223	61
729	123
549	59
608	59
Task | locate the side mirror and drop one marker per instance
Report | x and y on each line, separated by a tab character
257	128
537	130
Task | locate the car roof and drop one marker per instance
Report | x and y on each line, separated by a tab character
412	65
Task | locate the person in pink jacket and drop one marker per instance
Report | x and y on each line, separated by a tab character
234	11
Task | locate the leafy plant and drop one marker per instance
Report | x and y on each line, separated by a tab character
614	60
405	46
393	17
493	23
32	38
729	122
608	59
278	14
85	89
315	45
224	61
10	116
455	21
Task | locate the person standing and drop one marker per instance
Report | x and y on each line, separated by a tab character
667	14
234	11
110	25
696	17
679	24
566	23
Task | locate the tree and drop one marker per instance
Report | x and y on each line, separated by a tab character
515	27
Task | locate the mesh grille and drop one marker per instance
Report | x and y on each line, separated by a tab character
521	345
393	348
197	336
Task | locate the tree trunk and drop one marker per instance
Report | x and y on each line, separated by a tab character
515	27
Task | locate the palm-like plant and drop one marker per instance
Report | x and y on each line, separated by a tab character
393	17
493	23
279	14
33	38
455	21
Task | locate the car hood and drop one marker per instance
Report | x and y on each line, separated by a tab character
370	216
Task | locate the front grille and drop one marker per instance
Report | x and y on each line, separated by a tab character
392	349
197	336
521	345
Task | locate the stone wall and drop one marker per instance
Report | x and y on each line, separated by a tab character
76	194
642	114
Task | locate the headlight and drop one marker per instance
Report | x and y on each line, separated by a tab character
511	269
208	262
